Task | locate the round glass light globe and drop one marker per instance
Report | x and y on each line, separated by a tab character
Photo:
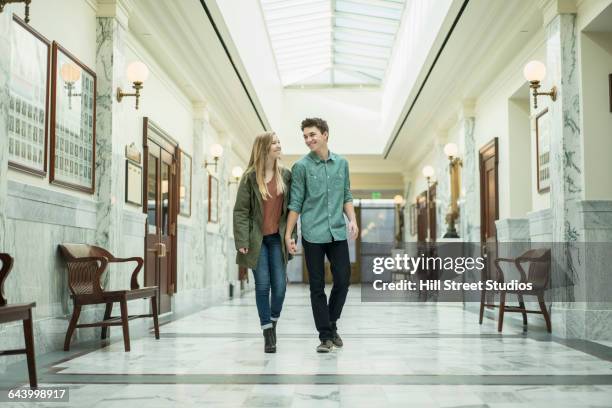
398	200
428	171
451	150
534	71
216	150
70	72
237	172
137	72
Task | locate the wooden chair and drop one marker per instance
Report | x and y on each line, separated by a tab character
539	261
13	313
86	263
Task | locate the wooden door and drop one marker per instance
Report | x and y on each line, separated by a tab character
161	187
489	201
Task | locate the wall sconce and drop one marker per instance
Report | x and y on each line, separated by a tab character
27	7
236	174
428	171
70	74
455	162
137	73
534	72
216	151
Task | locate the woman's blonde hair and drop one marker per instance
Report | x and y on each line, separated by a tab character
257	163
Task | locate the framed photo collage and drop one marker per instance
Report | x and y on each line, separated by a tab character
52	111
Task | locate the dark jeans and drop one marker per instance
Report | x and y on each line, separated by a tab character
338	255
270	276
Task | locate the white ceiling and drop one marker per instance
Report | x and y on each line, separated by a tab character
332	42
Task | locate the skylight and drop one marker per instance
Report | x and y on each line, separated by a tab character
332	42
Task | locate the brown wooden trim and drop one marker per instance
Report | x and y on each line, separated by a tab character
610	85
156	134
179	166
90	190
537	135
46	42
491	149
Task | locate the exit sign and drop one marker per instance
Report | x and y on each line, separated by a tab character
375	194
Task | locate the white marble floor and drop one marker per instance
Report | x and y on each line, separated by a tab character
396	354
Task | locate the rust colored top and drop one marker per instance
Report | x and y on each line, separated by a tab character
272	209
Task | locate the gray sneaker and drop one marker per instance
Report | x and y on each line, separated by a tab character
337	340
325	347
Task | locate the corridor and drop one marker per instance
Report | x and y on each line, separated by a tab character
395	354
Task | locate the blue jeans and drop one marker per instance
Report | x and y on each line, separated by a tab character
269	275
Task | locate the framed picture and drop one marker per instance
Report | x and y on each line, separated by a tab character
73	122
413	219
542	130
213	199
133	183
28	99
185	184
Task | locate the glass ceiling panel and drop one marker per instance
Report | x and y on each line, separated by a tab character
332	42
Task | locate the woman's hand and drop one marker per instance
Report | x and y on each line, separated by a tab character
244	250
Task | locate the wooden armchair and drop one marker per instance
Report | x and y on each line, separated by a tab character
539	261
13	313
86	264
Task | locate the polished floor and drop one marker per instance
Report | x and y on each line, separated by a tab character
396	354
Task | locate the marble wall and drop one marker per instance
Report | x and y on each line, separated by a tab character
35	219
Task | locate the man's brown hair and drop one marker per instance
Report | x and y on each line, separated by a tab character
315	122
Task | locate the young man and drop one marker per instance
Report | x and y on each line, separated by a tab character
321	193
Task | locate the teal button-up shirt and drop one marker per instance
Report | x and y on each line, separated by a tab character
319	190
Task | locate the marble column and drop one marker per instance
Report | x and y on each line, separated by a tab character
443	183
110	68
5	68
566	171
469	215
200	184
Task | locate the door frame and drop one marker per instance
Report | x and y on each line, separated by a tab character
151	131
491	149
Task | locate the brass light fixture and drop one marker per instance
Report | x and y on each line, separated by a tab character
236	174
70	74
534	72
216	151
455	163
137	73
428	171
27	7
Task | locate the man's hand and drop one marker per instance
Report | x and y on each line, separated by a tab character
244	250
291	245
353	229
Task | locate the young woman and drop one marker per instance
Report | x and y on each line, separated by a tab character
260	220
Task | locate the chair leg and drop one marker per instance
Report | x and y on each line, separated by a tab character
502	307
73	322
522	306
107	314
154	312
124	324
545	312
28	333
482	303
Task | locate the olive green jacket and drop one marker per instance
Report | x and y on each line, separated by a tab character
248	219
